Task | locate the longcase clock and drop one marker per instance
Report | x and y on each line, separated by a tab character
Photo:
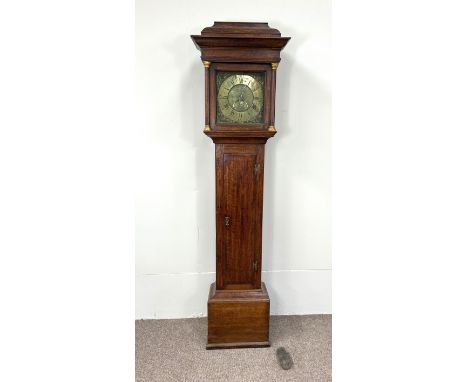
240	61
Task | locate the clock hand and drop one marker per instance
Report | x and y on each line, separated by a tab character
243	100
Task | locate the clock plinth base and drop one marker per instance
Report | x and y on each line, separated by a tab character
238	318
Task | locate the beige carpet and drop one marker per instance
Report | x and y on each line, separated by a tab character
174	350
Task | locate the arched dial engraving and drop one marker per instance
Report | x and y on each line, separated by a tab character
240	98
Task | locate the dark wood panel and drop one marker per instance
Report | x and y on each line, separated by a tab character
249	55
239	198
238	322
219	214
243	136
241	181
240	28
239	234
240	42
238	317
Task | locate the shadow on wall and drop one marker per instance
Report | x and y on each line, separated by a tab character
303	110
303	124
191	131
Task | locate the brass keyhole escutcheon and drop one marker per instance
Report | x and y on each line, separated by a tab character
227	221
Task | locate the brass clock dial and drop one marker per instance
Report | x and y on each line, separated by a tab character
239	97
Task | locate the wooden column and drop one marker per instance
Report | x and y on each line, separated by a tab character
206	64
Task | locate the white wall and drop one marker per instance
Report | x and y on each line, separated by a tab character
175	208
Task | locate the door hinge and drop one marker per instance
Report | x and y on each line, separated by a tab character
255	266
257	168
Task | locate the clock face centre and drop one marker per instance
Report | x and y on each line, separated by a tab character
240	97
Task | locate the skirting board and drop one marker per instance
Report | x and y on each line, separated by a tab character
184	295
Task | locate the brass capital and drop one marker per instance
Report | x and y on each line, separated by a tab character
274	65
206	64
271	128
207	129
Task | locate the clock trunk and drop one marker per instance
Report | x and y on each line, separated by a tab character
239	195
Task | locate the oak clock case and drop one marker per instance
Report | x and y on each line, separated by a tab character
240	61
